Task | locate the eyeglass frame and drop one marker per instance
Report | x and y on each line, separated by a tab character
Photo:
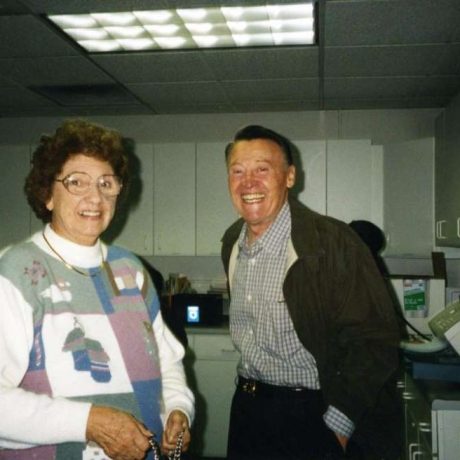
65	183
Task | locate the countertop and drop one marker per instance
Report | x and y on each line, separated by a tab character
220	329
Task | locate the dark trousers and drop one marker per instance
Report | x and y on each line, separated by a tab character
283	425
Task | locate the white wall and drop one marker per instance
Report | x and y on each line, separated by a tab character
378	127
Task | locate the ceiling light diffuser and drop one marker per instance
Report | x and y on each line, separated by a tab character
223	27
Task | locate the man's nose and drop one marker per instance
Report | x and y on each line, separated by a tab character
249	178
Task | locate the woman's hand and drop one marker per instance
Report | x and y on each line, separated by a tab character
120	434
177	422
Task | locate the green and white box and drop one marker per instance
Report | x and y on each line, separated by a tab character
415	298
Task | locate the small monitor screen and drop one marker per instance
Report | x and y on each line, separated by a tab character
193	314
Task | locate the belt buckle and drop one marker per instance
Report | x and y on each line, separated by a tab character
250	387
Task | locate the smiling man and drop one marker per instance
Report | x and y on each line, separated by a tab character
311	317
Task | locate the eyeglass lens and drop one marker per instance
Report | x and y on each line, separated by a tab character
78	183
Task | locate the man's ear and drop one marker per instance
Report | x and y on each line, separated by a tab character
290	180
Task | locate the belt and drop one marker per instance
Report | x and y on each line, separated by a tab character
255	387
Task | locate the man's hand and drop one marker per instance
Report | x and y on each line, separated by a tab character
177	422
120	435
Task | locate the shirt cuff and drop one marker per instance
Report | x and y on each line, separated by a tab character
338	422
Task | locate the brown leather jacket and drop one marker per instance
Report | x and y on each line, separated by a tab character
342	313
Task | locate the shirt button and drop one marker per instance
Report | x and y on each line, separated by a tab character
253	261
249	297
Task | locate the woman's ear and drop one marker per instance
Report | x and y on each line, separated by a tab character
50	204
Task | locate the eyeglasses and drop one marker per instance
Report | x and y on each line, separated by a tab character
78	183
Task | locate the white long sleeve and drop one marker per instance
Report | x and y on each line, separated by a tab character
176	394
27	418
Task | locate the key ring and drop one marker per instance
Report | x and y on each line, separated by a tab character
174	454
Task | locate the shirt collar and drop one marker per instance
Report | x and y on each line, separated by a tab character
273	239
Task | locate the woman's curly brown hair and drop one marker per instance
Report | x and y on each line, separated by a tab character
73	137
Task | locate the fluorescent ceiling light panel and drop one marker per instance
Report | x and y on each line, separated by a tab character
216	27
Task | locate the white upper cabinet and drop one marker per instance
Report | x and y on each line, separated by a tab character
447	172
132	225
174	202
310	186
214	210
408	197
15	213
351	173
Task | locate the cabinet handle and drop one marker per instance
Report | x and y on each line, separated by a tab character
458	227
424	427
412	445
227	350
439	225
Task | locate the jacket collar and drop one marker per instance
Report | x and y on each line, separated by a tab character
304	241
304	233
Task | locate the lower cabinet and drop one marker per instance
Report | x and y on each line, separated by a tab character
431	425
211	369
445	416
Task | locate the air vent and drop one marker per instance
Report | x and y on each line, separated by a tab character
86	95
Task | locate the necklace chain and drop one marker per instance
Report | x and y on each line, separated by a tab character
69	266
173	455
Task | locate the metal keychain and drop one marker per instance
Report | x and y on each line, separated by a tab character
173	455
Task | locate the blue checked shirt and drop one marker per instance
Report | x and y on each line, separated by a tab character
260	324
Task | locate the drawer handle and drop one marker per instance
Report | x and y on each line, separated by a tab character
227	350
424	427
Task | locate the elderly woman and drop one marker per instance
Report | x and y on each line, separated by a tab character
86	363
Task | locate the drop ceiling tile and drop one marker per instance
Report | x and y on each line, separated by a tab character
264	63
155	66
444	87
391	22
176	93
26	111
27	36
74	70
171	108
83	6
278	106
368	88
270	91
388	103
87	95
12	96
119	110
388	61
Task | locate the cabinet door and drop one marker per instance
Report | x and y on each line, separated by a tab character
447	433
174	199
447	167
408	197
214	208
132	226
350	175
213	383
15	211
310	186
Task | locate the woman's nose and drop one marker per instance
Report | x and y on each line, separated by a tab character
94	192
